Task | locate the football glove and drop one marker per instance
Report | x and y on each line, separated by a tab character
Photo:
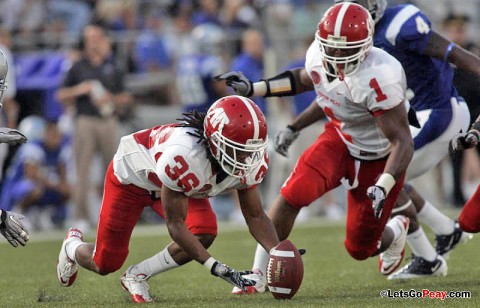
378	196
283	139
232	276
464	141
240	84
11	136
12	228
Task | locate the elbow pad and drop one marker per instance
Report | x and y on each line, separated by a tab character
281	85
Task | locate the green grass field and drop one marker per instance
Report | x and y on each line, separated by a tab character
332	278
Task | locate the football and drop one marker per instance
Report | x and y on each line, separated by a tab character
284	270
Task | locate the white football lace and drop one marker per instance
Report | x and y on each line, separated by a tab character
137	285
69	269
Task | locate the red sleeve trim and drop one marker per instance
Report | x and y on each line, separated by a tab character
379	112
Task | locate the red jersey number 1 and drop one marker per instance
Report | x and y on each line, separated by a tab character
376	87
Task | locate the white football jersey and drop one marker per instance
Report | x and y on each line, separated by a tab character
168	155
378	85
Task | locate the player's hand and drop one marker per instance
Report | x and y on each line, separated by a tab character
11	136
12	228
378	196
232	276
283	139
464	141
240	84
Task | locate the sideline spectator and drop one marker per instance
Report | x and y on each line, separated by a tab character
96	88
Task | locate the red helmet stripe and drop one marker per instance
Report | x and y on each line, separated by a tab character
253	114
339	20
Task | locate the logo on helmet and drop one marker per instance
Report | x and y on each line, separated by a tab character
218	119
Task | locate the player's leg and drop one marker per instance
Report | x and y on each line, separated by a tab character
121	207
367	235
423	251
447	232
469	219
201	221
431	146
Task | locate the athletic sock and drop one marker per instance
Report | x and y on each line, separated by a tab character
436	220
161	262
421	246
261	260
71	248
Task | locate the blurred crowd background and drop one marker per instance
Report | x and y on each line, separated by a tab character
166	53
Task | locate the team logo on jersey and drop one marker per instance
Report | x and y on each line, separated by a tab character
219	118
316	77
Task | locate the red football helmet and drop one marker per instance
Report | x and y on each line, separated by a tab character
345	35
236	130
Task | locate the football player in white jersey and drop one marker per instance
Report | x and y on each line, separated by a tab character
366	145
175	169
405	32
10	222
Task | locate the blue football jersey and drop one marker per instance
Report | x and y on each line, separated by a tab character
404	32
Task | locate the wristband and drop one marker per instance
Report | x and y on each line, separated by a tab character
259	88
209	263
293	129
387	181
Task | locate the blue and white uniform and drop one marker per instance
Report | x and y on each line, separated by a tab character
404	32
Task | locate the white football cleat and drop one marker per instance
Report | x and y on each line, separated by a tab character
390	259
420	268
137	286
67	268
260	286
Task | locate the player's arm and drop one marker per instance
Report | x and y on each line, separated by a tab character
310	115
443	49
394	125
258	223
288	83
286	136
175	206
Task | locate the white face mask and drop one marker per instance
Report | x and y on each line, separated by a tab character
236	159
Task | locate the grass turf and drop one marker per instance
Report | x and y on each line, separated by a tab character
332	278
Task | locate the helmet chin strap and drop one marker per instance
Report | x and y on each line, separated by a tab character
340	72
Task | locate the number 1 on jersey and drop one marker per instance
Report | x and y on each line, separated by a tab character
376	87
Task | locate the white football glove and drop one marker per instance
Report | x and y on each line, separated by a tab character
12	228
237	80
11	136
283	139
232	276
378	196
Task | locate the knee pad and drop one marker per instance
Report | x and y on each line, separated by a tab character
358	253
